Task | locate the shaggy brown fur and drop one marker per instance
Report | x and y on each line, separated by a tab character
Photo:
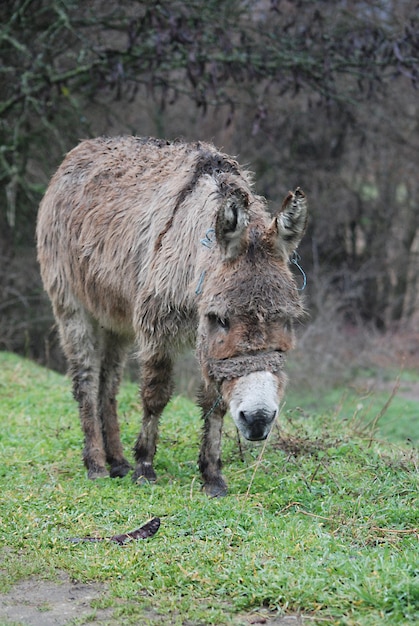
120	233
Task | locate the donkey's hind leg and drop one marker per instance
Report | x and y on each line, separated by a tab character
81	344
156	389
113	356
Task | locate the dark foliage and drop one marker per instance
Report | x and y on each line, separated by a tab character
325	62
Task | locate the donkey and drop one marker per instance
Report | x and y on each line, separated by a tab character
164	244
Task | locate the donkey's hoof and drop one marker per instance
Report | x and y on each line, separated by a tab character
144	473
93	473
215	489
119	469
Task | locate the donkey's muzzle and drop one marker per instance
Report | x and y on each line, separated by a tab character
256	425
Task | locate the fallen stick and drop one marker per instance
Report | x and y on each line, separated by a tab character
146	531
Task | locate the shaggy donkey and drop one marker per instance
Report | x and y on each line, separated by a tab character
164	244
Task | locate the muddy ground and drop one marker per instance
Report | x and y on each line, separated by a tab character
36	602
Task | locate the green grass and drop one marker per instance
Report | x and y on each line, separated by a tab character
322	521
380	406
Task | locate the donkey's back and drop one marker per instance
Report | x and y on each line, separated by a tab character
106	233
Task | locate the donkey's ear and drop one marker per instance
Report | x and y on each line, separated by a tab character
289	225
231	223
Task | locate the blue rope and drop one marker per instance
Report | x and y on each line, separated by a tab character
214	406
295	259
208	240
198	289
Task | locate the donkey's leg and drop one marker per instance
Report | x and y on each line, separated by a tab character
156	389
81	344
213	410
111	367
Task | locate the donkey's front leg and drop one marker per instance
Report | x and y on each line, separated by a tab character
156	389
213	410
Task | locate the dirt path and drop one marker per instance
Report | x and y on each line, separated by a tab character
36	602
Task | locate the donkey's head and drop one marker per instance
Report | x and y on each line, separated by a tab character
248	307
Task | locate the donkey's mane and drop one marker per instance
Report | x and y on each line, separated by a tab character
208	162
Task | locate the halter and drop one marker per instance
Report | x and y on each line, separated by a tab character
238	366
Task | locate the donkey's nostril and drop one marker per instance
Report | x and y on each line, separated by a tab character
255	425
261	415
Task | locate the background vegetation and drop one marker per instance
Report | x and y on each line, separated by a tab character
320	94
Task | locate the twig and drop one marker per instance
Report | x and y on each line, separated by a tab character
289	506
373	423
329	519
298	509
395	531
259	460
146	531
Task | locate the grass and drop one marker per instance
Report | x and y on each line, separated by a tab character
323	521
373	400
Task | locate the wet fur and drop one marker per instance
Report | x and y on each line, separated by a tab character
119	233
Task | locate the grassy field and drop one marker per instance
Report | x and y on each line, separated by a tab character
383	403
322	522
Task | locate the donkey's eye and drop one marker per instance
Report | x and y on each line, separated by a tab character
223	323
218	322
